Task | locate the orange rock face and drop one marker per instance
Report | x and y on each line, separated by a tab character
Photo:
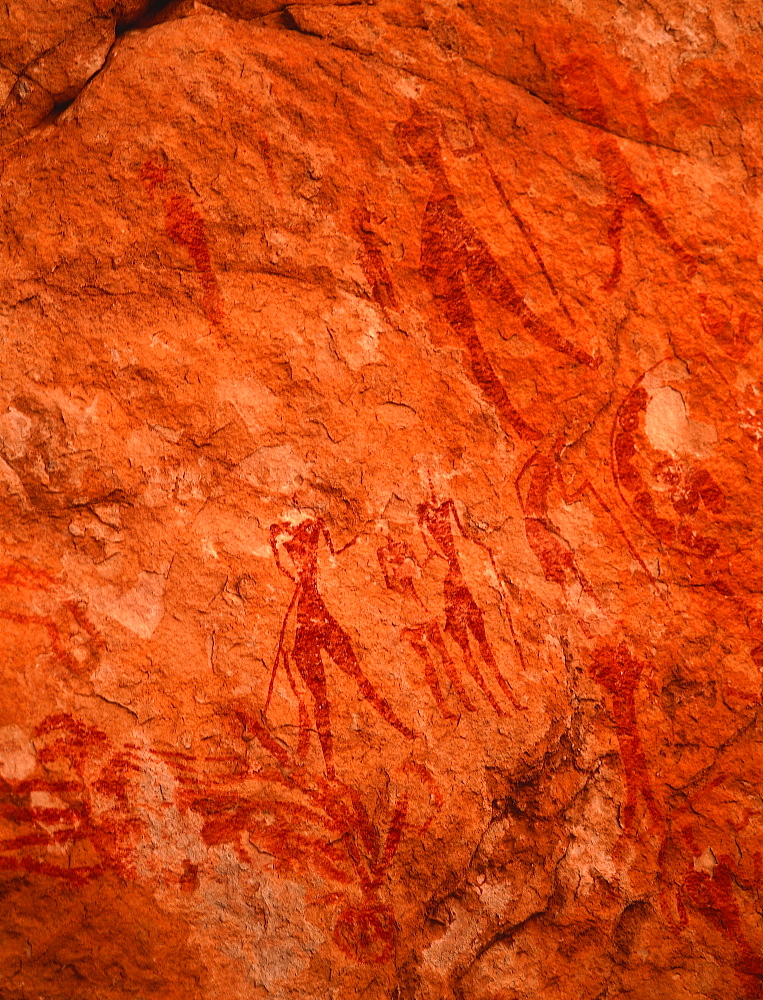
381	454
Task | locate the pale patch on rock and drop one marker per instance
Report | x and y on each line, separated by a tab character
15	428
13	484
17	756
139	609
669	427
276	469
251	399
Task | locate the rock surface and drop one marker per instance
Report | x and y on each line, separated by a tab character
381	443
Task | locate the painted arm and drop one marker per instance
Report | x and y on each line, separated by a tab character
425	533
274	533
471	538
520	476
330	542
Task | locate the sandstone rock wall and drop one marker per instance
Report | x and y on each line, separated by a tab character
380	473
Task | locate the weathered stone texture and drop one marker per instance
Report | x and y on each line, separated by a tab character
381	410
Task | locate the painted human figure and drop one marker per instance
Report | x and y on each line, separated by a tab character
619	673
372	260
317	631
185	226
462	614
712	896
398	564
452	252
581	80
552	551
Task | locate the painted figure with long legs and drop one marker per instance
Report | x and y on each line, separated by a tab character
462	614
398	561
317	631
583	85
619	673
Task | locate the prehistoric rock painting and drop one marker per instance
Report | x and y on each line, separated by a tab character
73	818
372	260
657	447
538	477
346	737
32	597
267	159
619	672
675	495
478	147
398	561
717	867
184	225
314	829
463	617
317	633
451	252
735	331
553	552
85	811
712	897
588	89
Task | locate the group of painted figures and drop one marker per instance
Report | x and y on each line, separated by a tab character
670	494
317	823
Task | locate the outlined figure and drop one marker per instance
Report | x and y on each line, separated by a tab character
185	226
371	259
463	617
581	79
534	482
73	638
452	252
665	494
397	561
317	632
619	673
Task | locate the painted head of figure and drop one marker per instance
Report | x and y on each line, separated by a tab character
418	137
298	536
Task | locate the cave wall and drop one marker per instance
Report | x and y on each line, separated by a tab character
381	418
